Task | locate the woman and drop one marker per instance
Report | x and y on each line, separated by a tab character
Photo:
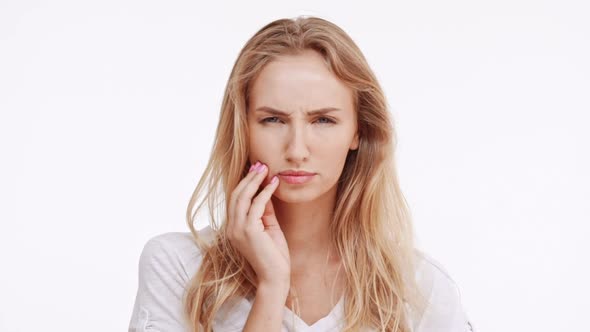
315	234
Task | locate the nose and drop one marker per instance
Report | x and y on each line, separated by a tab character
297	150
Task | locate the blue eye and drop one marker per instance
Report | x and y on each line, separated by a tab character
328	120
271	118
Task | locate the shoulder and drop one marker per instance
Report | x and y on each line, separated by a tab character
430	273
167	263
444	310
173	252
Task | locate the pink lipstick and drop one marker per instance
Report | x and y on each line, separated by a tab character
296	177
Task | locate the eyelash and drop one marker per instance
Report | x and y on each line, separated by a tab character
330	121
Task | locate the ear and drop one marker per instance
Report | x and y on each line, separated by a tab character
355	142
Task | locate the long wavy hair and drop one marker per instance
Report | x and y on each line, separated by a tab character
371	228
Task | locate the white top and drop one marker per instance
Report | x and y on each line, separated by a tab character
168	261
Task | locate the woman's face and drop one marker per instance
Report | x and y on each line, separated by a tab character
301	117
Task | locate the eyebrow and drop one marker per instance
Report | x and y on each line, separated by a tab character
273	111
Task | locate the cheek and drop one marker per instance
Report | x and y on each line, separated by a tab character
335	145
333	155
261	148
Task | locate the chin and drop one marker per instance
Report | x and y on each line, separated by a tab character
301	194
295	196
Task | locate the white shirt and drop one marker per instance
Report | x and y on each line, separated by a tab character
168	261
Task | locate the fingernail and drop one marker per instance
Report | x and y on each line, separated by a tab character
253	167
261	168
274	179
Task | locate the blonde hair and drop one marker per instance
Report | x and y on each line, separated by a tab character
371	228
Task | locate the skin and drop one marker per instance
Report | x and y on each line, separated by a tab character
283	231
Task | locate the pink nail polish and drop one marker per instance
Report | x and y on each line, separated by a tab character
261	168
274	179
255	166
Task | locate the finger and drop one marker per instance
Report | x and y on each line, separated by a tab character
244	198
269	218
260	206
248	190
236	193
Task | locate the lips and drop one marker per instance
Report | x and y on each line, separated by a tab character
296	173
296	177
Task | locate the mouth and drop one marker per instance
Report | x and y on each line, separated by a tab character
296	177
295	173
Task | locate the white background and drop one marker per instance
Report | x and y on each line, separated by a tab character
108	111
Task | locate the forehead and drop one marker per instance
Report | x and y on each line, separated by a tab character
299	82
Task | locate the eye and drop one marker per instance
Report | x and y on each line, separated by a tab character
271	119
327	120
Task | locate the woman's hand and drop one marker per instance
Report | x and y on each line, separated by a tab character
253	228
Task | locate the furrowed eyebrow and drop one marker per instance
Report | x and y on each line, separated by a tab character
273	111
